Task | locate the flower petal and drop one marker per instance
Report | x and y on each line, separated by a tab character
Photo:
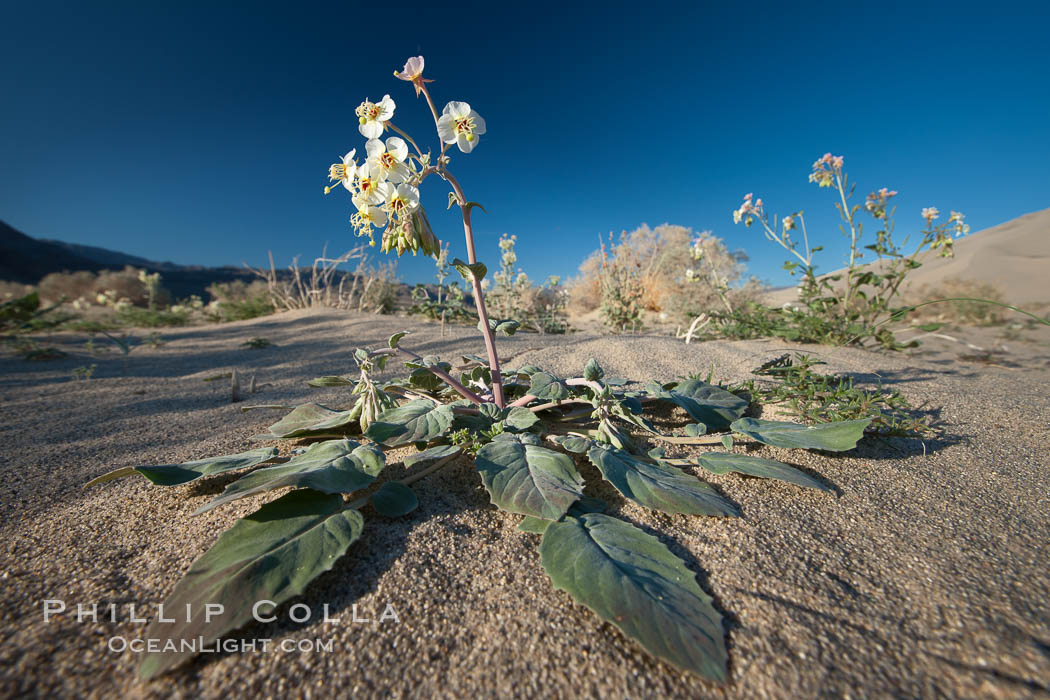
479	123
457	109
371	129
397	147
445	130
464	145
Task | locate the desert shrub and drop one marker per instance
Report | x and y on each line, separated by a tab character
379	285
620	287
448	301
513	295
70	285
14	290
965	312
855	304
239	300
680	273
368	288
151	318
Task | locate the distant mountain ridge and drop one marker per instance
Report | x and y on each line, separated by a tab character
27	260
110	258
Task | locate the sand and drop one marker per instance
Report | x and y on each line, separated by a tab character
924	574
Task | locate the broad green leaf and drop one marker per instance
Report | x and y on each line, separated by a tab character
432	455
529	479
723	463
705	403
506	326
520	418
537	526
573	443
630	579
470	272
546	386
314	419
695	429
491	411
333	466
416	421
174	474
331	381
272	554
658	486
593	371
426	380
833	437
394	499
395	339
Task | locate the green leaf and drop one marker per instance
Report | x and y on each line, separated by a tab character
469	205
506	326
331	381
833	437
658	486
395	339
537	526
472	272
695	429
333	466
705	403
272	554
394	499
529	479
313	419
630	579
546	386
416	421
727	441
520	418
723	463
593	372
573	443
432	455
426	380
174	474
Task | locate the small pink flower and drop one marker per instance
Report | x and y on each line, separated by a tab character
930	213
758	202
413	72
837	161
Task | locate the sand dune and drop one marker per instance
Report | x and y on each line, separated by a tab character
922	575
1014	256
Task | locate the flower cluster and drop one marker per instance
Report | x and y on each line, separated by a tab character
748	210
877	201
384	188
826	169
958	220
930	213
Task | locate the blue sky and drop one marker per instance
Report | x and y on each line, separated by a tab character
201	132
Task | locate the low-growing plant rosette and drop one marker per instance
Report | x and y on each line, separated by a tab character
526	430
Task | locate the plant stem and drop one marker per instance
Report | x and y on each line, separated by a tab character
444	376
479	298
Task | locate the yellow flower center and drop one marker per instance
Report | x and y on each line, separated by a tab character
387	160
337	172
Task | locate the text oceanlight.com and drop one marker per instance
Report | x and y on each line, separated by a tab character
262	611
